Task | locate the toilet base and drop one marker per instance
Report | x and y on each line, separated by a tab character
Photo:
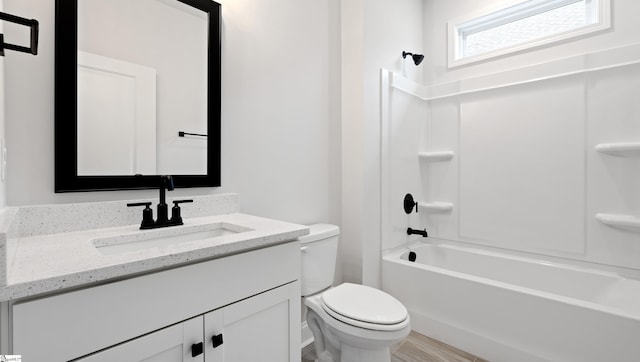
327	352
343	345
351	354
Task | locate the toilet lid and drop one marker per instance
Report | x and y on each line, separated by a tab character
366	304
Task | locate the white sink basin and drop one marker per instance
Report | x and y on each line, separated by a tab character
163	237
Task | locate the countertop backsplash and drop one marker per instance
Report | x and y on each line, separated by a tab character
60	218
27	221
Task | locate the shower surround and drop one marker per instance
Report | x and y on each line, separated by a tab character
540	162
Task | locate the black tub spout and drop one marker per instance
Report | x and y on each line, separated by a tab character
411	231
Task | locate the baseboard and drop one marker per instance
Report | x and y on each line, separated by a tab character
307	337
469	341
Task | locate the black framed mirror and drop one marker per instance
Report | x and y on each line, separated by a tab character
74	170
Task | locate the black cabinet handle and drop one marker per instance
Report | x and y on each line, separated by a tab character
217	340
196	349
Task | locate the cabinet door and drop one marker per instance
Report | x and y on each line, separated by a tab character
171	344
265	327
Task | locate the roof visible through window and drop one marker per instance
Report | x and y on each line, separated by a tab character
523	25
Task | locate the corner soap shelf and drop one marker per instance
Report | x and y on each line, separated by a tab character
433	156
628	222
435	206
624	149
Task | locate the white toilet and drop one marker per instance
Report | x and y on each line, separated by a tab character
350	322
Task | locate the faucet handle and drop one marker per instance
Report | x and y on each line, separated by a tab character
147	204
175	211
147	214
176	202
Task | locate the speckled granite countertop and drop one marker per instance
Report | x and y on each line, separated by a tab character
47	263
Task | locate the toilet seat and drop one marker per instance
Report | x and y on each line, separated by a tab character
364	307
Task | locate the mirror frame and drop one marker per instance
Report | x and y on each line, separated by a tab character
66	114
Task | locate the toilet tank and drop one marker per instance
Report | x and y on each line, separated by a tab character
319	251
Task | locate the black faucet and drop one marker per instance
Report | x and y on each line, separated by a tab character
166	184
411	231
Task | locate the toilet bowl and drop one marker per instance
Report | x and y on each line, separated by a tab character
349	322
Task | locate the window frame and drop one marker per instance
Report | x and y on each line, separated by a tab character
459	28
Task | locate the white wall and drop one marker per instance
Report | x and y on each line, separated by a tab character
375	32
352	124
279	119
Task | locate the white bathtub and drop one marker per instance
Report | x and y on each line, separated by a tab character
510	308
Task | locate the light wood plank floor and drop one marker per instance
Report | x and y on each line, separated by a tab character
416	348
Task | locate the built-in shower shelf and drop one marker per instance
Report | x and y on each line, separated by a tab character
622	221
435	206
625	149
436	155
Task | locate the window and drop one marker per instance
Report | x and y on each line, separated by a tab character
523	25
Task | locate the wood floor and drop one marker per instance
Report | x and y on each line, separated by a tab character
416	348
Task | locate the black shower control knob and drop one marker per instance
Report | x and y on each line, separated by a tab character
409	204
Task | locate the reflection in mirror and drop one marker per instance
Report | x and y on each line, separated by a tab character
147	96
116	117
139	84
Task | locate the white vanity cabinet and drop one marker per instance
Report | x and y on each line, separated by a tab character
254	329
170	344
250	303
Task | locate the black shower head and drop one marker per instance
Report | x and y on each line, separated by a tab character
417	58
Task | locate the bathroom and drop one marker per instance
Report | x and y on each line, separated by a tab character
323	121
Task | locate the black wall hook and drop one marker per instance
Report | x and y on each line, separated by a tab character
31	23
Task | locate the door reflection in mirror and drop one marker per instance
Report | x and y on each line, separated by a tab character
142	77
